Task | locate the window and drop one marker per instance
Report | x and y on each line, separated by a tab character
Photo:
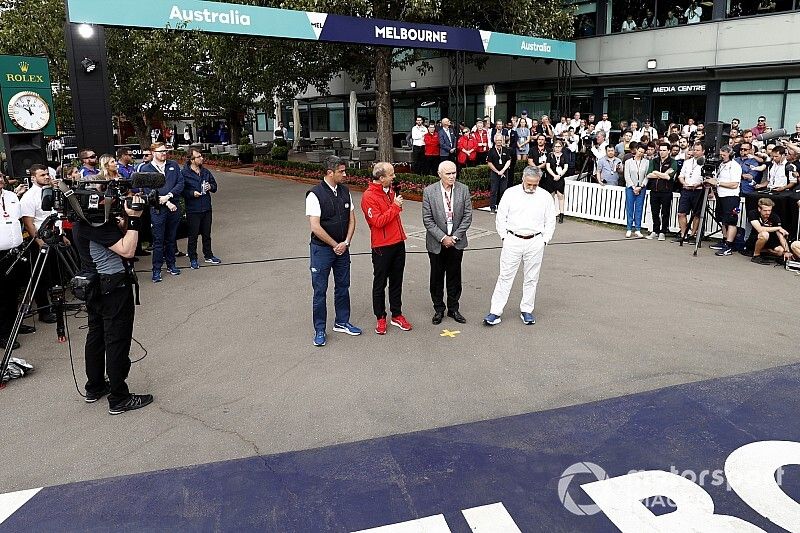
367	120
537	103
792	114
261	122
748	107
637	15
745	8
319	117
585	21
752	86
328	117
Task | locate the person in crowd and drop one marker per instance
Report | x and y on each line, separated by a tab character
524	120
781	174
447	142
649	130
537	156
556	168
693	13
604	125
88	159
575	122
768	237
10	239
331	215
147	158
525	222
650	149
105	251
466	149
636	133
628	24
382	208
446	215
650	20
546	128
727	183
418	131
198	186
432	157
691	181
511	140
622	146
562	125
569	140
752	173
599	144
795	137
766	6
632	147
685	149
660	177
523	139
671	20
109	169
32	217
760	127
481	137
498	129
125	163
500	160
187	134
635	170
280	131
609	168
689	128
165	219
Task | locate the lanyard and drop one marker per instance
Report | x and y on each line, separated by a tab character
447	200
3	199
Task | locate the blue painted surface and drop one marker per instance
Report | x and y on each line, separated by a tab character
515	460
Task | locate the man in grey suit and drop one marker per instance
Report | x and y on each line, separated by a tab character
446	214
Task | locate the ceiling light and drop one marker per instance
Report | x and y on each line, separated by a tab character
86	31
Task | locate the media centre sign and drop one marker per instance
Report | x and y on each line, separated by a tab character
242	19
681	88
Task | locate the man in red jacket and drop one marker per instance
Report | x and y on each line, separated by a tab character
382	209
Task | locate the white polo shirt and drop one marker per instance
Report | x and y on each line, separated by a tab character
10	215
730	172
31	204
418	135
691	173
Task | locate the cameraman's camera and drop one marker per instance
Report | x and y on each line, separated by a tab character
710	166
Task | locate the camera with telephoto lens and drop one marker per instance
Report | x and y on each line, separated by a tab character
98	201
710	166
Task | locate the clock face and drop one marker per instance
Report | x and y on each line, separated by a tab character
29	111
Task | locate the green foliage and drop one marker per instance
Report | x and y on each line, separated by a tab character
279	153
245	148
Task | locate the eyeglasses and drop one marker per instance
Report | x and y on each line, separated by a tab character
93	156
162	151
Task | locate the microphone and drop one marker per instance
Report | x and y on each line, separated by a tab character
774	134
147	180
396	187
701	161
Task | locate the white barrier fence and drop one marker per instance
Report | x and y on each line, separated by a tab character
606	203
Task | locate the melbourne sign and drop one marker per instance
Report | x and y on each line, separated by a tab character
219	17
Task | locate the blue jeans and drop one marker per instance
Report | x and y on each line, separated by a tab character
323	259
634	207
165	232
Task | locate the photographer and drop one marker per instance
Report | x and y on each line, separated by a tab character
727	183
105	251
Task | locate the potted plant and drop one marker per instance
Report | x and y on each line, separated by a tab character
280	150
246	153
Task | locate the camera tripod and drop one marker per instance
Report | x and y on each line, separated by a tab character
703	210
589	162
51	237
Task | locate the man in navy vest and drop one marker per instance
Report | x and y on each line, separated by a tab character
165	220
329	209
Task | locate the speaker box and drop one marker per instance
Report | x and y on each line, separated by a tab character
716	136
22	151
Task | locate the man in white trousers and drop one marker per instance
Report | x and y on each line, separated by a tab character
526	220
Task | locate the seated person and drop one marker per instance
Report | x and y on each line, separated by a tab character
768	237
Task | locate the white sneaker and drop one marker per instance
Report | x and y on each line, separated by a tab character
662	237
627	234
638	234
652	235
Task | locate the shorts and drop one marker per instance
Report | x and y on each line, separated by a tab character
689	201
728	210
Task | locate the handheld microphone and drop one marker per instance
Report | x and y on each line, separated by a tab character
774	134
396	187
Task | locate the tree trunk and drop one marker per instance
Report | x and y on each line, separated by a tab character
383	103
235	126
142	128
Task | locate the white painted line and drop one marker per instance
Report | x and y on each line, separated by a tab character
429	524
491	518
10	502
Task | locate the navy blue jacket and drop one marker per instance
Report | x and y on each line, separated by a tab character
446	143
193	182
174	179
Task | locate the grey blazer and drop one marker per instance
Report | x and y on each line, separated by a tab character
434	216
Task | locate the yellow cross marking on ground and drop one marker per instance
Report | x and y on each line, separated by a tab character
448	333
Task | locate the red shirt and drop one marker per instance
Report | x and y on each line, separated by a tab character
383	216
482	139
466	142
431	144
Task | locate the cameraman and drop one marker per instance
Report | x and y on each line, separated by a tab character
727	184
105	251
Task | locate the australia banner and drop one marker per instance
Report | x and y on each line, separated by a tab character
218	17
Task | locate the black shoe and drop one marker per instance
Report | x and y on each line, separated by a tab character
4	344
135	259
142	253
48	318
760	260
180	254
458	317
561	218
24	329
134	401
92	397
148	248
438	316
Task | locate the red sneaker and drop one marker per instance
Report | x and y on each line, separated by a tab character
380	329
401	322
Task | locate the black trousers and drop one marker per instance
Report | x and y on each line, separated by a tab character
432	164
199	223
660	205
388	263
108	342
50	278
497	185
446	265
9	291
418	155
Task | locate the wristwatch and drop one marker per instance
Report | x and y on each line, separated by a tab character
347	243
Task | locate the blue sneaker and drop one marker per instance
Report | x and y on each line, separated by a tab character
194	264
347	327
492	320
528	319
319	338
156	276
214	260
175	271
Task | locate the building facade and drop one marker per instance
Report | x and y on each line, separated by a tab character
707	61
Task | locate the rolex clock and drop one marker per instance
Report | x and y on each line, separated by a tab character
28	111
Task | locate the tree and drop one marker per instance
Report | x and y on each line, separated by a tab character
541	18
